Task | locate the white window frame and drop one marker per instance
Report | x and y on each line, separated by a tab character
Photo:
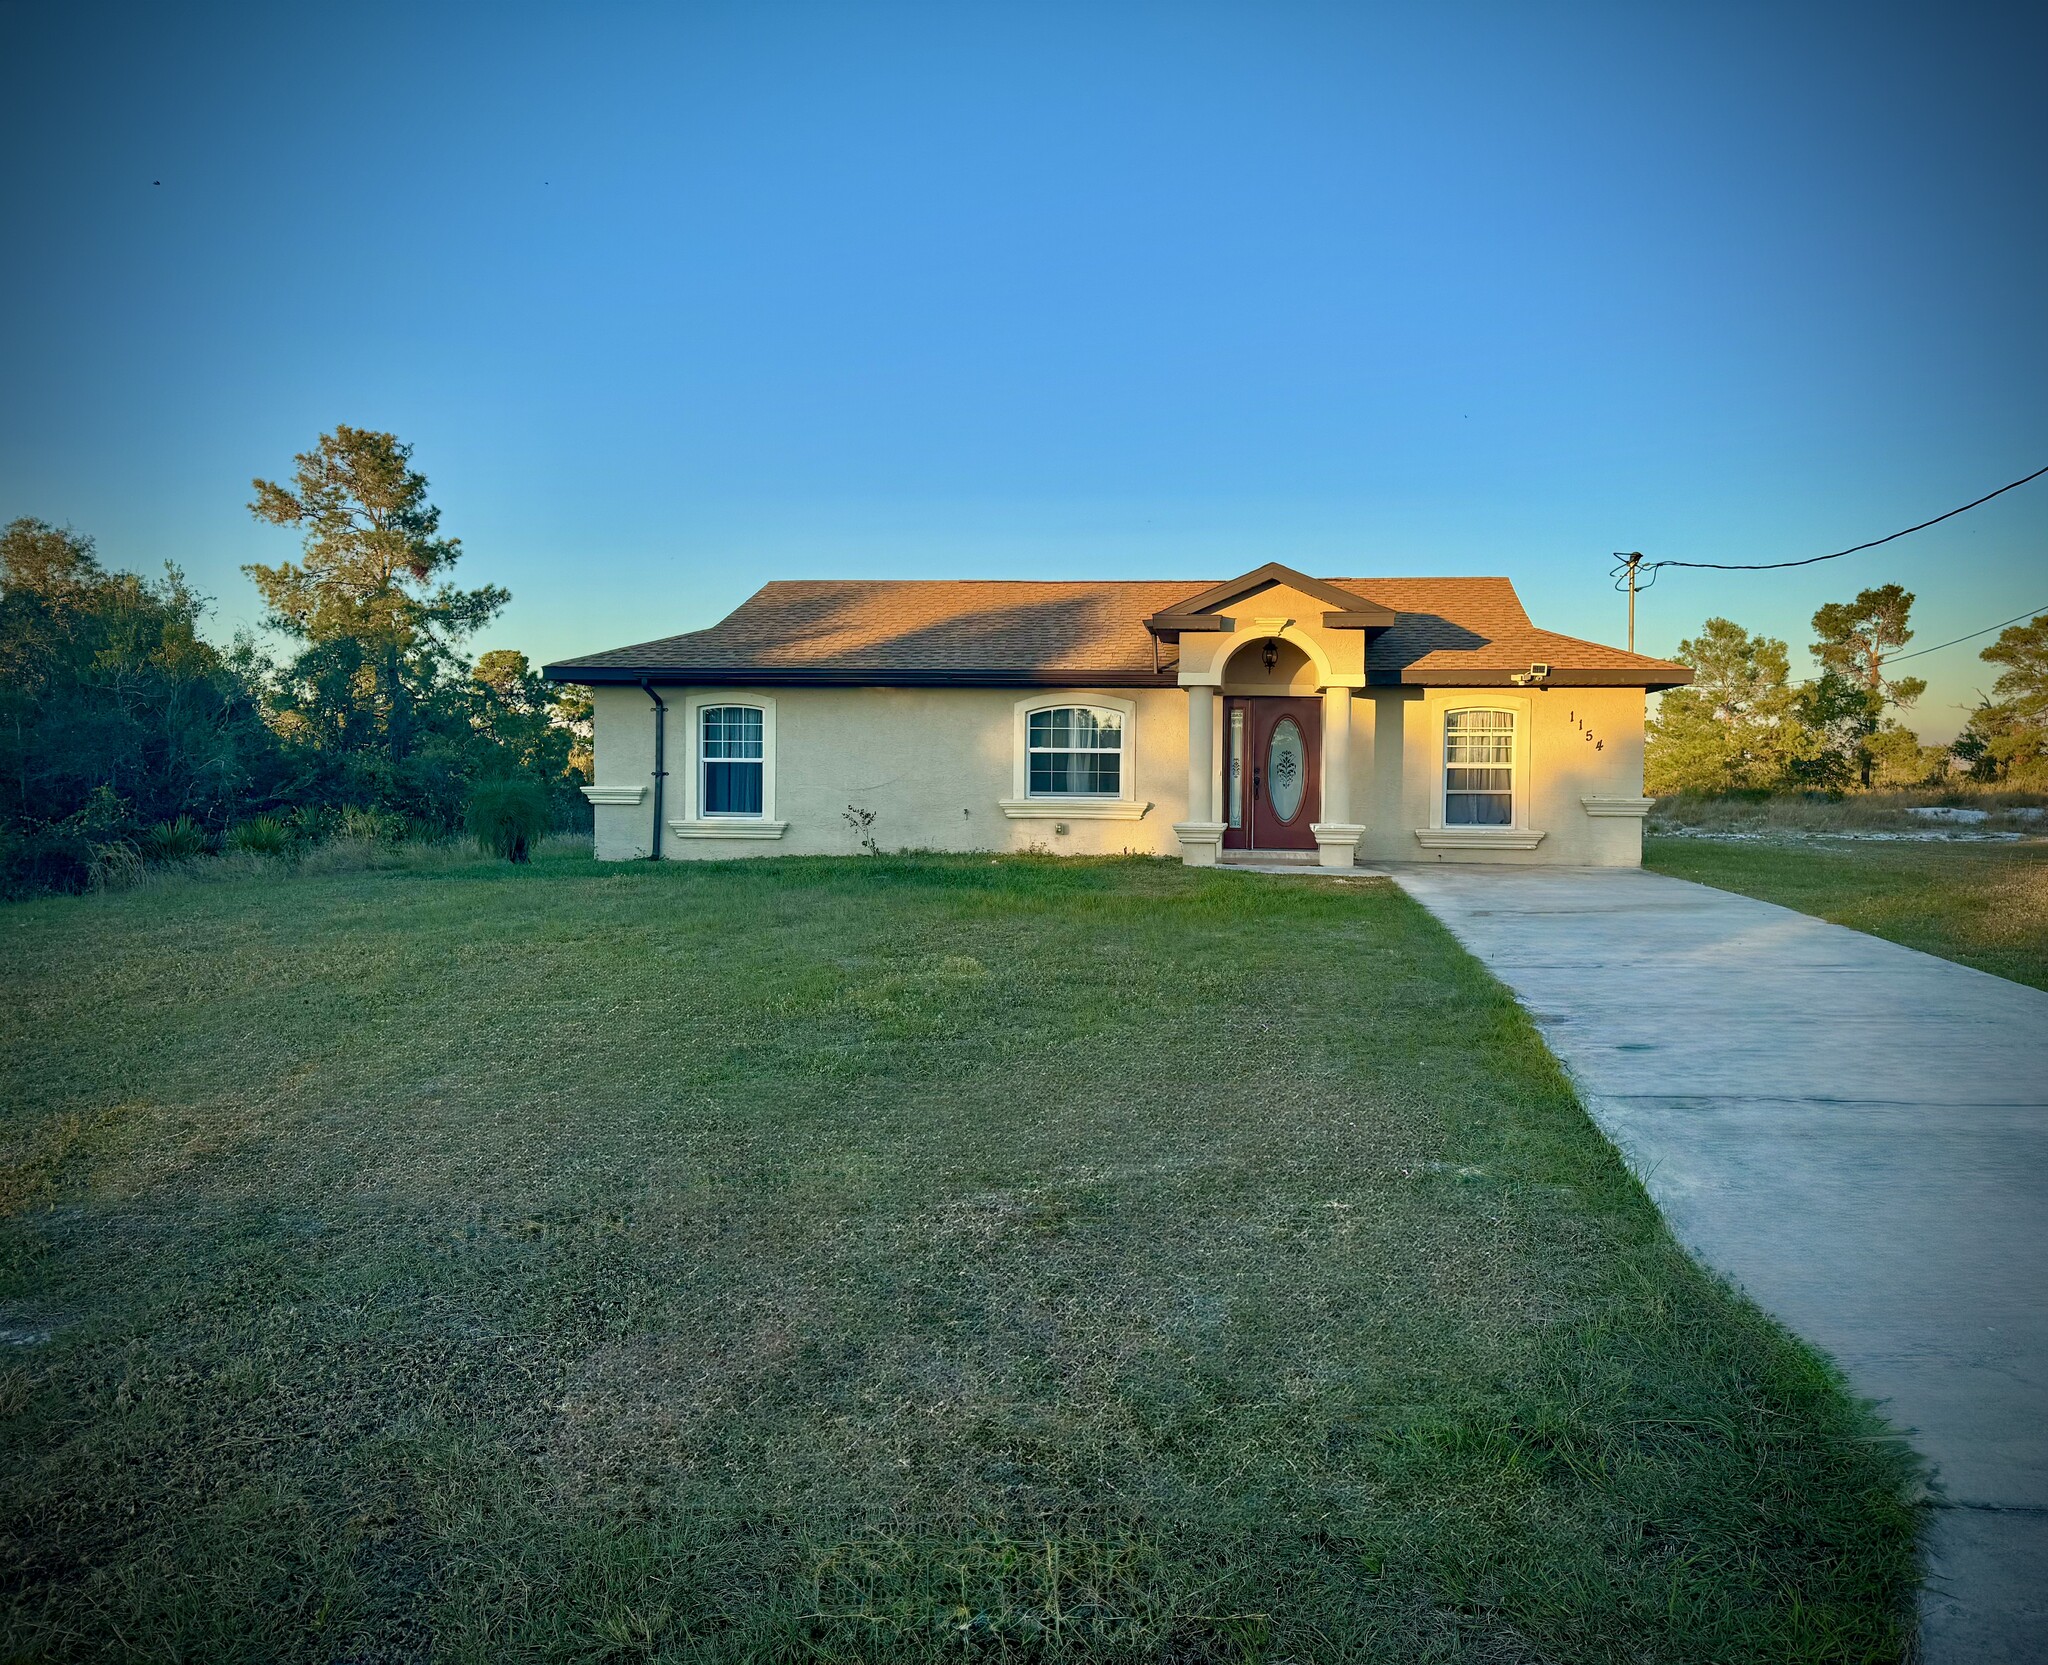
1516	812
1517	834
1023	805
694	822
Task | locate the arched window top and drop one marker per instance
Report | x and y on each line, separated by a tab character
1074	751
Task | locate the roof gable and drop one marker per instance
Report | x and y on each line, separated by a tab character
1204	611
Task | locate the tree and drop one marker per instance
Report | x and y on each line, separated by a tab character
1738	725
529	724
1901	760
114	713
380	632
1856	637
52	562
1839	716
2007	735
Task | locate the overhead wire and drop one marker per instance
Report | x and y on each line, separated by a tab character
1644	573
2031	612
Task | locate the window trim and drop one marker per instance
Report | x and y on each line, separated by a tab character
1024	805
694	822
1430	831
1517	809
705	761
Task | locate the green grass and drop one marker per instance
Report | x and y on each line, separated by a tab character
902	1259
1985	905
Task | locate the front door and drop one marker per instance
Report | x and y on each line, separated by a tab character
1272	772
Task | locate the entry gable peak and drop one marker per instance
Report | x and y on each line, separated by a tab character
1200	612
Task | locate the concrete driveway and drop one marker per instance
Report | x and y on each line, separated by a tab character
1855	1133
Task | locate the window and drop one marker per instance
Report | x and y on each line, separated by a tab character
1479	768
1074	751
731	759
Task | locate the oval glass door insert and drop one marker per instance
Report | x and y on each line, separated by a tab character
1286	769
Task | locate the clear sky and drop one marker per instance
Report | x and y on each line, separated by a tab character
676	299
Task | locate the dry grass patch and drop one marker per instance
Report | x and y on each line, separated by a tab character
1792	815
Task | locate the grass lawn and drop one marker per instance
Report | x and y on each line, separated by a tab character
892	1259
1983	904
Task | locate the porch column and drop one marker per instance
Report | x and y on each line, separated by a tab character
1337	835
1201	834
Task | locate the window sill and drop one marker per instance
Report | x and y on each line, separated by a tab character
615	794
1635	807
728	827
1477	838
1073	809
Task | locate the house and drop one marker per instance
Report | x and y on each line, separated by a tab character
1276	716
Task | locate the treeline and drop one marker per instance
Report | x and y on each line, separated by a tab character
1743	724
125	735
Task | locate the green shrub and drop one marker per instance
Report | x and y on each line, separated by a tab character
310	823
178	840
508	817
369	825
115	866
262	835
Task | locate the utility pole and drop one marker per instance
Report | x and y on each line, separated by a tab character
1634	560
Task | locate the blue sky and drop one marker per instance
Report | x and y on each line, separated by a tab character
673	300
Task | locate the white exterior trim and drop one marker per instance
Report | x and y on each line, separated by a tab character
1440	704
1636	807
615	794
1336	842
1073	809
1123	807
686	824
728	826
1201	842
1476	838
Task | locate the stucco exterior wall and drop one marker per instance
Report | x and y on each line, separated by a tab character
934	766
1572	744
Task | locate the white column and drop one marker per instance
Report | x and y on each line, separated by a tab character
1337	755
1201	834
1201	752
1337	835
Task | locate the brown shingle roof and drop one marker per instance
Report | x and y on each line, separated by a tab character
1450	631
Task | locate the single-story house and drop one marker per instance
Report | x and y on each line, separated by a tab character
1275	716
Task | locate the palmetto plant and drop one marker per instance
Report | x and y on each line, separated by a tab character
262	835
178	840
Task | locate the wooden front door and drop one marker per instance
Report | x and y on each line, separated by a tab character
1272	772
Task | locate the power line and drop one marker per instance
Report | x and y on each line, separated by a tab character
1973	635
1640	574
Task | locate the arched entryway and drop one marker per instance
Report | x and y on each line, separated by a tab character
1272	747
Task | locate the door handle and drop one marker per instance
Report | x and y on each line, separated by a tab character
1255	785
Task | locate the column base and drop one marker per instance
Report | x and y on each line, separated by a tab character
1336	842
1200	842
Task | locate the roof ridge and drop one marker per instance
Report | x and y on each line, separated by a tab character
1374	578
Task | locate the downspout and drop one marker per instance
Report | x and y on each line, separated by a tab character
660	770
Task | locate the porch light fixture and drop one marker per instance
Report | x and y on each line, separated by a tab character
1270	653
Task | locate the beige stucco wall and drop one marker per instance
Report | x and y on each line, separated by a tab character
934	766
1572	743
